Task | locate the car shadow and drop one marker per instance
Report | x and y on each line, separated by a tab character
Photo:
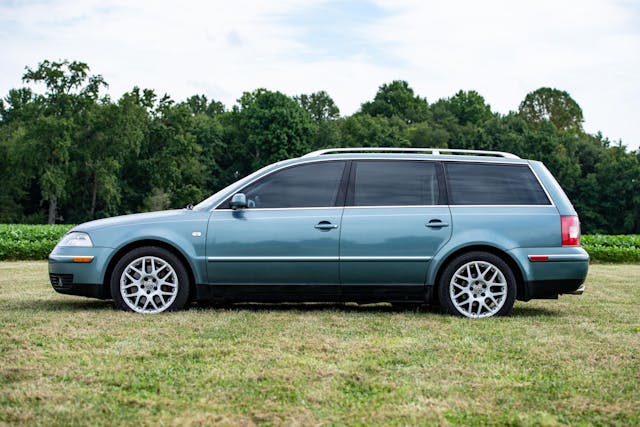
70	304
329	306
524	311
79	304
518	311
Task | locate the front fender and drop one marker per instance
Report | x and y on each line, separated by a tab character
178	236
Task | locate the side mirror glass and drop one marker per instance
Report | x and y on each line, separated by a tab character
238	201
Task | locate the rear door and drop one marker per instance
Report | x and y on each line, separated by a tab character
394	222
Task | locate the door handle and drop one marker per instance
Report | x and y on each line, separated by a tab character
436	223
325	225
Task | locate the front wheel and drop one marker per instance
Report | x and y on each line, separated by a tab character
477	284
150	280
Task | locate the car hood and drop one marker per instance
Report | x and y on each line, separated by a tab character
136	219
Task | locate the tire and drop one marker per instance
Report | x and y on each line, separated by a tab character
476	285
150	280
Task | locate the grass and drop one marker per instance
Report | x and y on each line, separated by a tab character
75	361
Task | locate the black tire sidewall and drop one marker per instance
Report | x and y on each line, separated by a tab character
452	267
181	273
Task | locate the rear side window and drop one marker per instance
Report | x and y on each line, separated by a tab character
310	185
395	183
493	184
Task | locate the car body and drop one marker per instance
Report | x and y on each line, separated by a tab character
471	230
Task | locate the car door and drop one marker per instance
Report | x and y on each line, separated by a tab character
288	235
394	222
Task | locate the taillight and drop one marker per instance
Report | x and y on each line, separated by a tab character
570	226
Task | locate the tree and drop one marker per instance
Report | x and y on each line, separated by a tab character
69	92
199	104
617	177
553	105
271	127
396	99
469	107
319	105
363	130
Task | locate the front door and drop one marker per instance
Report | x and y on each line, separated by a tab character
288	235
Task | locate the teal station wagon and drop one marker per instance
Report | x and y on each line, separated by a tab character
470	230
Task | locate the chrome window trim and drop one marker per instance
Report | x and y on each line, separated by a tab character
489	160
396	206
281	209
502	206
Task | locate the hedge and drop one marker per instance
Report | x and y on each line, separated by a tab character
620	248
32	242
28	242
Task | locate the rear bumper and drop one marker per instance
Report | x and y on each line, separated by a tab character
549	272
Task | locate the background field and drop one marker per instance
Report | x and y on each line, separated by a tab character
69	360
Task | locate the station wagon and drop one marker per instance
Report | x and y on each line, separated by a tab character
472	231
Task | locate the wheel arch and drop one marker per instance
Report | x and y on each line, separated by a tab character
142	243
511	262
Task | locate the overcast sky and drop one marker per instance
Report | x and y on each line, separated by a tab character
502	49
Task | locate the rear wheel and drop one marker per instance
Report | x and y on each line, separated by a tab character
150	280
477	284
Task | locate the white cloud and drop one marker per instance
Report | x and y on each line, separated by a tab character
502	49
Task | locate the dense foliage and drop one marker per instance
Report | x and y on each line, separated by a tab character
33	242
605	248
69	154
25	242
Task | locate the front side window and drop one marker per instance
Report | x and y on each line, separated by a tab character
310	185
395	183
493	184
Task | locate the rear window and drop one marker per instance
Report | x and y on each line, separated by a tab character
493	184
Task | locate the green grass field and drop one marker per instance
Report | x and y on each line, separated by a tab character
75	361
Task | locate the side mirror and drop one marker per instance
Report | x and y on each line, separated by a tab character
238	201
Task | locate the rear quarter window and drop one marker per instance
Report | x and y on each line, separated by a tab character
493	184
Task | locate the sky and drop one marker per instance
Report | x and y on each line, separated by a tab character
503	49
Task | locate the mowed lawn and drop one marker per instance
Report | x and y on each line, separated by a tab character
70	360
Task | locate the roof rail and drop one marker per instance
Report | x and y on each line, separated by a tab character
434	151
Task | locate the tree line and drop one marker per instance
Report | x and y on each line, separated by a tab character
70	154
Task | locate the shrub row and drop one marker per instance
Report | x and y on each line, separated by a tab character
605	248
25	242
30	242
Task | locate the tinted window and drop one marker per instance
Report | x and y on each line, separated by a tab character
312	185
484	184
395	183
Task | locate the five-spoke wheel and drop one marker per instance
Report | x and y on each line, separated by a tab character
149	280
477	284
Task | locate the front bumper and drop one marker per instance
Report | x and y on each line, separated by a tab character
79	271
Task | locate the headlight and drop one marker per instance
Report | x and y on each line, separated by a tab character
77	239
